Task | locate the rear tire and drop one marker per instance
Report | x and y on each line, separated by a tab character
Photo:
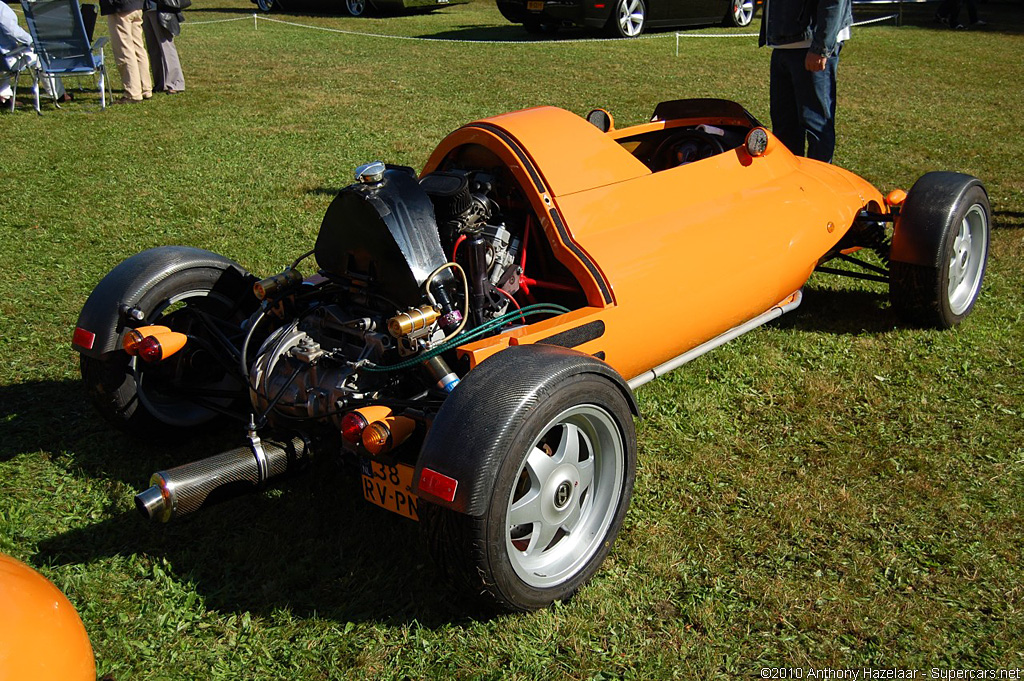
943	294
148	399
561	494
628	19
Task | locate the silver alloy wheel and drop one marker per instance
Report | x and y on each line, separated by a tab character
356	7
631	17
567	494
742	12
967	259
171	409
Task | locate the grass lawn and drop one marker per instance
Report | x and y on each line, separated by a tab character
834	490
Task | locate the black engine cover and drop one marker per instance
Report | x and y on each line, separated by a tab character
384	233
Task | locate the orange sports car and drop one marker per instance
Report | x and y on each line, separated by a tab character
473	334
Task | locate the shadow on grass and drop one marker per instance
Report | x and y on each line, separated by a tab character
848	312
309	543
1005	219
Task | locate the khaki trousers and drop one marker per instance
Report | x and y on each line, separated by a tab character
130	53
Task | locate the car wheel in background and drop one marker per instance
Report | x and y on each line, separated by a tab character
628	19
741	13
939	249
356	8
266	5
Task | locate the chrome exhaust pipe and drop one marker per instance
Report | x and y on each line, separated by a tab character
185	489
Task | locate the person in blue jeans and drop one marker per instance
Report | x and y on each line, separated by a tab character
806	37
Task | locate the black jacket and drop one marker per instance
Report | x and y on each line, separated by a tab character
791	21
119	6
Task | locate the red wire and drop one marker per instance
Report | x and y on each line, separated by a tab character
513	300
455	248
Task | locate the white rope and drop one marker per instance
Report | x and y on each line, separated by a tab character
214	21
875	21
755	35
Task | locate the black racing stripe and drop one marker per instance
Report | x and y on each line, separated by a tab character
577	336
520	154
596	273
539	184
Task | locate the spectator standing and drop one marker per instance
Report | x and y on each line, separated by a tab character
806	37
13	36
161	22
124	22
949	13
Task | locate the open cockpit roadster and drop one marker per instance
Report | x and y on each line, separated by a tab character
473	334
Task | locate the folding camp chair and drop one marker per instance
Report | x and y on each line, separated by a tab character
60	41
19	61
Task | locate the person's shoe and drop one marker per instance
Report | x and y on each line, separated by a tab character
172	91
960	27
149	96
126	100
979	22
65	98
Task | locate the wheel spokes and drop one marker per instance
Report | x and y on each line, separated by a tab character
528	510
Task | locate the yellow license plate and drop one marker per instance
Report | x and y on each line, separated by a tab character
535	5
390	487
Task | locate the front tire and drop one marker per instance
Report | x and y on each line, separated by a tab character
740	14
356	8
628	19
947	227
561	494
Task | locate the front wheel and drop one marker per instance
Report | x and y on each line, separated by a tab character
562	490
356	8
740	14
940	248
628	19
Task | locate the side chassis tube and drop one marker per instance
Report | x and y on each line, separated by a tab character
791	303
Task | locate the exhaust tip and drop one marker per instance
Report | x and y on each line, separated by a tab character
151	504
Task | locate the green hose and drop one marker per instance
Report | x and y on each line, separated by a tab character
480	331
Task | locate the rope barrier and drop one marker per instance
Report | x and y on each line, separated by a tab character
755	35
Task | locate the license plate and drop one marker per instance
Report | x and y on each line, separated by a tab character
390	487
535	5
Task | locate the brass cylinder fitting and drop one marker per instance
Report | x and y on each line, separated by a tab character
412	320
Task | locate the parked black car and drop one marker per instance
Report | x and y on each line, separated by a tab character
358	8
625	18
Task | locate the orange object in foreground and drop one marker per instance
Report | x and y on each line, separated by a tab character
41	635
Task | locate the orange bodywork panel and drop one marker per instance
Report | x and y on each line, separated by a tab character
668	259
41	635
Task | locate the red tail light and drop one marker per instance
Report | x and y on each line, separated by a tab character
352	425
158	347
354	422
133	338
